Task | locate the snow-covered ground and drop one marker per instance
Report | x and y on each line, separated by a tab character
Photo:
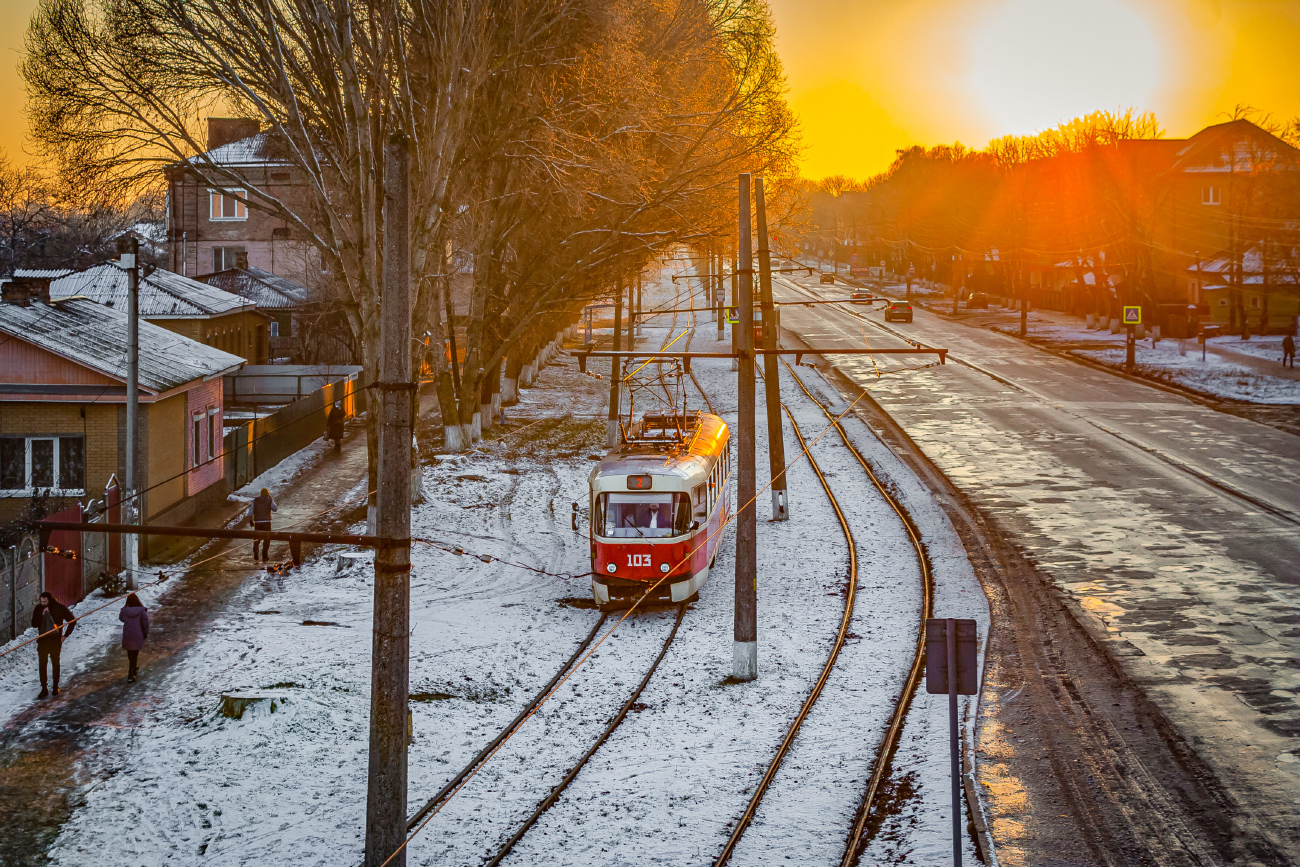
174	782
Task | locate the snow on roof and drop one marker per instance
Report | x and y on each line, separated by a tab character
162	293
1252	268
266	290
95	335
249	151
41	273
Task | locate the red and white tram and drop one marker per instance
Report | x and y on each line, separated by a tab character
658	503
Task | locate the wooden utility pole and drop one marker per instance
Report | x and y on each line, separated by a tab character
744	656
129	248
771	370
611	425
390	657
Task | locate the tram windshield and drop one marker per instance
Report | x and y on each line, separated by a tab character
649	516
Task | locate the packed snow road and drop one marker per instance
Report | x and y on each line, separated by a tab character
1171	527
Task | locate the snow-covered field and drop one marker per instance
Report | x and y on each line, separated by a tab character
177	783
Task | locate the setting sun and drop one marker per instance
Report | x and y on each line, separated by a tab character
1036	63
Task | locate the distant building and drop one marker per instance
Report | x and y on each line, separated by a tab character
187	307
63	407
209	230
303	331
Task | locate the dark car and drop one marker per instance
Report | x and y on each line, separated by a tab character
861	296
898	311
827	278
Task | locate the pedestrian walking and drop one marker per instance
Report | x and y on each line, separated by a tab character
48	619
1288	351
259	511
135	629
334	425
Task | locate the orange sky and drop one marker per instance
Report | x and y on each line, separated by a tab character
870	76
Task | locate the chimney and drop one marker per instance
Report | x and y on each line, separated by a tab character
21	291
224	130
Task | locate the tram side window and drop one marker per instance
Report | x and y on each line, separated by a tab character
700	498
646	516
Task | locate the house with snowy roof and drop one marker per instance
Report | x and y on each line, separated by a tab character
211	230
191	308
63	407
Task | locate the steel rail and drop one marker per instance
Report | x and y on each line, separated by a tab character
748	815
889	743
549	800
505	732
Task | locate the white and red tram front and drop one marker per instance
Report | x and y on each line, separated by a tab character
656	512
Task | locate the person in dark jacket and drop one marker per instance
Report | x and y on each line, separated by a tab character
135	629
334	425
48	620
259	511
1288	351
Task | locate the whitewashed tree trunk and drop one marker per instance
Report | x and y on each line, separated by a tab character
476	429
509	391
453	437
496	407
485	415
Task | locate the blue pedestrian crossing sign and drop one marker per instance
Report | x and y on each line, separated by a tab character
1132	315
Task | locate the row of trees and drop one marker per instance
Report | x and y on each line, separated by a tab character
46	224
1091	192
558	145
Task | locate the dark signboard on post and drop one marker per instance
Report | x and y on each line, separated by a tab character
936	656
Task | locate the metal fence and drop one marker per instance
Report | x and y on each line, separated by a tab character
23	583
278	384
255	447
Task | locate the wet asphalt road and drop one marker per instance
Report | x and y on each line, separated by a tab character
1174	528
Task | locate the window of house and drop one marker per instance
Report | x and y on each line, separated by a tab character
275	328
224	258
196	441
214	433
227	205
1209	195
53	464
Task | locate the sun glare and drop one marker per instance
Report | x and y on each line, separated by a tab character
1039	62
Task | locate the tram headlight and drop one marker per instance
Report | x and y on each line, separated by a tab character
663	567
610	568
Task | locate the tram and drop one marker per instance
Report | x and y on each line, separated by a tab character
658	505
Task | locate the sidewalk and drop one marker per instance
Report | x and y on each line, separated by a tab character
46	746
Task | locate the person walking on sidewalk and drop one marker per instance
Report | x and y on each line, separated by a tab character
48	619
1288	351
135	629
334	425
259	511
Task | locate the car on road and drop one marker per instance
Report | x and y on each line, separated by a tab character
826	278
861	296
898	311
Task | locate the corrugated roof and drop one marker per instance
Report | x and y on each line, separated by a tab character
162	293
95	335
266	290
41	273
250	151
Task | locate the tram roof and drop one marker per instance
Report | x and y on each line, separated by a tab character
706	442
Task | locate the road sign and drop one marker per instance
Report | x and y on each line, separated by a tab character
1132	316
951	666
733	315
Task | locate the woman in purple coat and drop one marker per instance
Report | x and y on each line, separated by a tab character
135	629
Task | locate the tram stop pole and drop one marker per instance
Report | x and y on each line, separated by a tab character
952	667
744	658
611	425
771	365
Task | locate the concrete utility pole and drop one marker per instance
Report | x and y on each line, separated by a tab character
129	248
719	292
390	657
771	369
744	654
639	313
611	425
735	302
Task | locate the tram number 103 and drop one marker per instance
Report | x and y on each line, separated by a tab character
638	559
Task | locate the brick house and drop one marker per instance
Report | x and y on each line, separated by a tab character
210	230
63	407
187	307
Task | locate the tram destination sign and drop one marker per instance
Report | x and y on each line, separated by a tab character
642	482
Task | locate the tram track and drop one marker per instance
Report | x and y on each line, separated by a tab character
889	743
